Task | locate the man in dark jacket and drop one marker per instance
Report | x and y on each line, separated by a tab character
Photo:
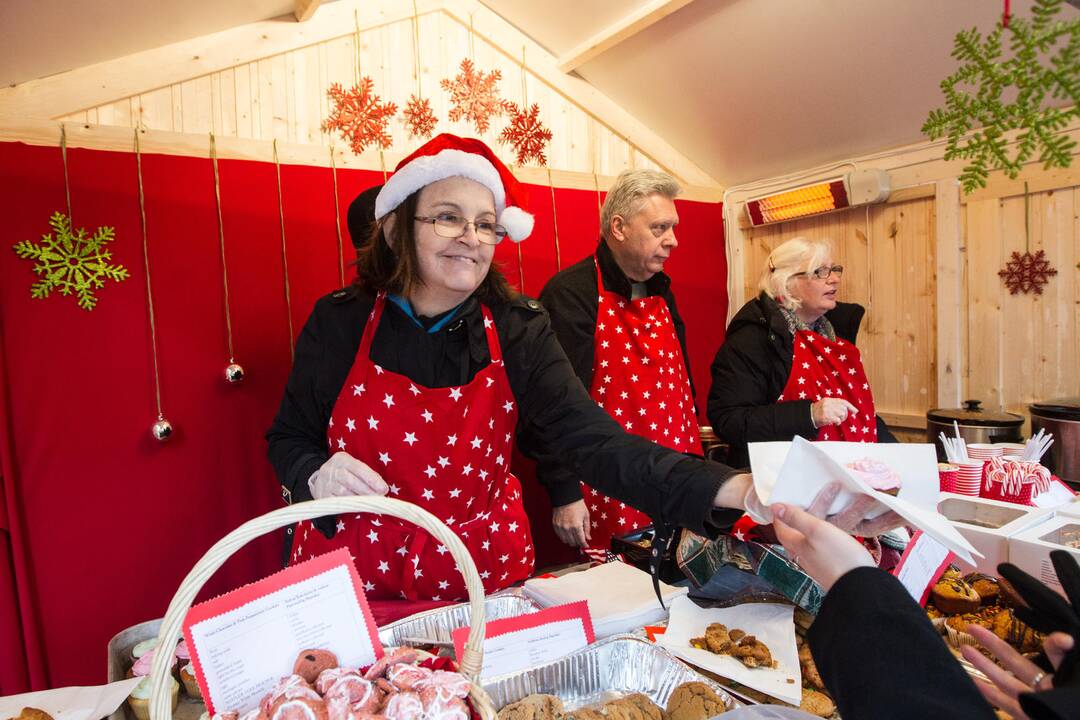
615	316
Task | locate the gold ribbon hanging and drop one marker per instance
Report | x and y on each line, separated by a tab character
149	288
221	243
284	254
416	48
599	205
554	221
337	217
67	181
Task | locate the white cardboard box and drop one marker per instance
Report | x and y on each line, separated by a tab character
988	525
1030	549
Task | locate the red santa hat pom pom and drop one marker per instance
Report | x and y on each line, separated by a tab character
447	156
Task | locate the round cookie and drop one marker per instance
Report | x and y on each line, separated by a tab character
817	703
694	701
309	663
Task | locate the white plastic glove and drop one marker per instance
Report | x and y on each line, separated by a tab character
758	511
342	476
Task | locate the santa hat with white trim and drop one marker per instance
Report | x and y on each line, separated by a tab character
446	156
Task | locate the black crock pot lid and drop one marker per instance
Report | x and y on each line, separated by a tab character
1066	408
973	414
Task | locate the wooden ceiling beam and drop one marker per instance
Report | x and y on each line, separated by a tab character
305	9
618	32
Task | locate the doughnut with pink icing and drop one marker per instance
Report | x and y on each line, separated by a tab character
298	709
407	677
404	706
876	474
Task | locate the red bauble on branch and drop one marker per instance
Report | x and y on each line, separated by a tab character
475	95
360	115
1027	273
419	117
526	134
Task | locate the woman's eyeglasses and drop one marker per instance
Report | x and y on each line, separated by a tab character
823	272
450	225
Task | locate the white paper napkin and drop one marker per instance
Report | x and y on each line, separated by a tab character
771	623
794	472
620	596
72	703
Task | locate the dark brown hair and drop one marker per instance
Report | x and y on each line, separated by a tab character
381	268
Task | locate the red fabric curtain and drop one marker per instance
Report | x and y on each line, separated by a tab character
102	522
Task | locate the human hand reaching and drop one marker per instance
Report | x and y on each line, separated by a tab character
1015	674
343	475
852	518
822	549
571	523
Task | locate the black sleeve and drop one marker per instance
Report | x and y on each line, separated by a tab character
572	313
881	658
884	435
297	438
742	402
669	486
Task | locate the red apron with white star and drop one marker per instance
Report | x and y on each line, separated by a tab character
444	449
826	368
832	368
639	378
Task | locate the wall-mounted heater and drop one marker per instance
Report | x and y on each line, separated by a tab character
859	187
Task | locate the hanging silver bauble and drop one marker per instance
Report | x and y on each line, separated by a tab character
234	373
162	430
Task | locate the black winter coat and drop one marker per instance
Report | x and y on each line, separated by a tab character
750	371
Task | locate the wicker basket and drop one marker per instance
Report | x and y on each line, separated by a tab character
215	557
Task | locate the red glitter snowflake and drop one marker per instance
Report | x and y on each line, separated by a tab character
360	115
1027	273
475	95
526	134
419	118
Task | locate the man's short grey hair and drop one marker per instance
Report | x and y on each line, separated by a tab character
629	192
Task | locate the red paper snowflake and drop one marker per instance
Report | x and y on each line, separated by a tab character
475	95
1027	273
419	118
526	134
360	115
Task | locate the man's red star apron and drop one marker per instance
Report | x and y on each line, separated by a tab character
639	378
827	368
444	449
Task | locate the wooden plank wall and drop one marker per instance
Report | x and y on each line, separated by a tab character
888	256
1021	348
283	96
1016	349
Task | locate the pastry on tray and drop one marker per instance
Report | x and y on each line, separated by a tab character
694	701
139	699
637	706
817	703
986	586
719	640
954	597
533	707
30	713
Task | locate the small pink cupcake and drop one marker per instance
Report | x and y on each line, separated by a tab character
876	474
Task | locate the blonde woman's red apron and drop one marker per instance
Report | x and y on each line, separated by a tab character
823	368
640	379
444	449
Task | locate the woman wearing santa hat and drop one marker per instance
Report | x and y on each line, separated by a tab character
412	382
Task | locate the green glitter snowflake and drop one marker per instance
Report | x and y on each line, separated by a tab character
71	262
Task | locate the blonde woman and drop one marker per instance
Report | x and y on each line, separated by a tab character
789	365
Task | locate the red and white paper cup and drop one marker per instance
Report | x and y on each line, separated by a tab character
948	475
968	478
984	451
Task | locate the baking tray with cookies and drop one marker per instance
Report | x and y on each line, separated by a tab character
623	677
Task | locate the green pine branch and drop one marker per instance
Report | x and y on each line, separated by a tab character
1044	62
